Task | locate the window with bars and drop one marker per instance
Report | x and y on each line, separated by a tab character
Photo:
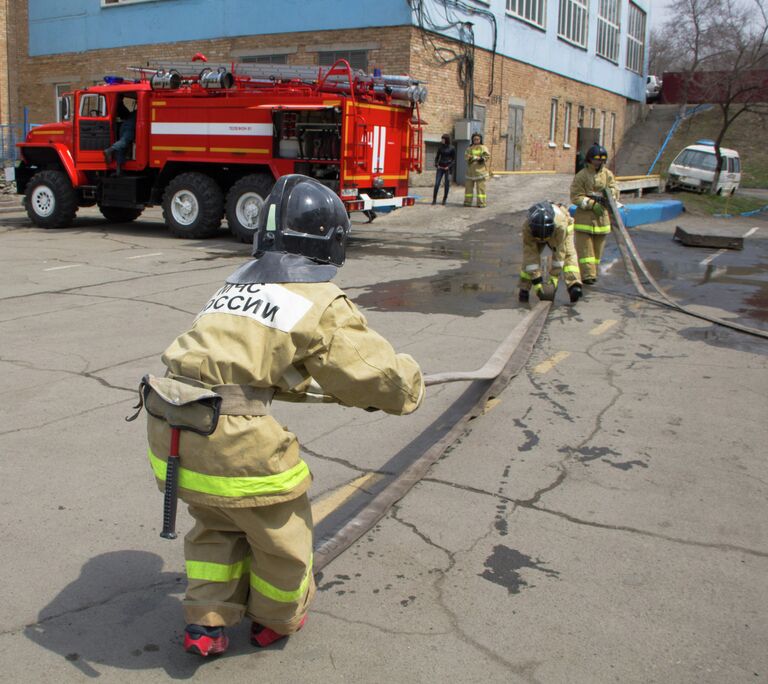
533	11
636	38
573	22
613	129
553	121
580	118
265	59
358	59
608	29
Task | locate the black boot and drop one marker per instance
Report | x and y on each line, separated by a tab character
523	296
574	291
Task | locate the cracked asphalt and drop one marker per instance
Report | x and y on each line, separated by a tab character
603	520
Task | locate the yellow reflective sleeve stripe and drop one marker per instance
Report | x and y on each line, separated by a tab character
280	595
571	269
217	572
589	260
233	487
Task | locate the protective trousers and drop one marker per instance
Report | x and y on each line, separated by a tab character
531	270
255	561
469	191
589	247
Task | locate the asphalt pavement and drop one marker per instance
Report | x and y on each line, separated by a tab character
602	521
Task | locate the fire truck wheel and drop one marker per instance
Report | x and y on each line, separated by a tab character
120	214
50	200
245	200
193	206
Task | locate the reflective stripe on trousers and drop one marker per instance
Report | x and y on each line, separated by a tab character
594	230
205	571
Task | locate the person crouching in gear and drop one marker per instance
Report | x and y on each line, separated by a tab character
549	225
277	326
592	220
477	157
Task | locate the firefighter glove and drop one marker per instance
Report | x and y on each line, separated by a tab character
597	209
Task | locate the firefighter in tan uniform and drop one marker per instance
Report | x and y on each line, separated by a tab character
277	326
592	221
549	225
477	157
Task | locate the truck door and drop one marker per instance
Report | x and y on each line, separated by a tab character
93	131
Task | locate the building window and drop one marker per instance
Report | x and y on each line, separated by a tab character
532	11
553	121
581	116
567	125
265	59
478	113
573	22
608	28
591	118
636	39
358	59
60	89
613	129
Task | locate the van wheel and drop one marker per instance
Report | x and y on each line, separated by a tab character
120	214
50	200
245	200
193	206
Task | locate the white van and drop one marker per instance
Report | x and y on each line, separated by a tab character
694	169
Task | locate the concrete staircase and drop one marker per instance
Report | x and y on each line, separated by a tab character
643	140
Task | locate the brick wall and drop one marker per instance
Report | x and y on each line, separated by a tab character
524	84
388	49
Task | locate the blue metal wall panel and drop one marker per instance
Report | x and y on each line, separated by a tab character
59	26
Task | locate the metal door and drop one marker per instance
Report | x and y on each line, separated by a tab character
514	137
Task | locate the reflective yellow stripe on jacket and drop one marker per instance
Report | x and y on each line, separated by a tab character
232	487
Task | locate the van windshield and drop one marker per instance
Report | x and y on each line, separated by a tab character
696	159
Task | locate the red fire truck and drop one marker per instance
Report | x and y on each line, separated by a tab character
210	141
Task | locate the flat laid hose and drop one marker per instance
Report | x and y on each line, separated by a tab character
631	258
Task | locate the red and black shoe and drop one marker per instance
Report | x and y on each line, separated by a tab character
204	640
264	636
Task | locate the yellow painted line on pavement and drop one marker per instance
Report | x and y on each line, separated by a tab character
603	327
551	362
329	503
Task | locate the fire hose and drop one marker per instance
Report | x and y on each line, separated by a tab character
506	362
632	258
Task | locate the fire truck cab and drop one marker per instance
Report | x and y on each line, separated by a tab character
210	141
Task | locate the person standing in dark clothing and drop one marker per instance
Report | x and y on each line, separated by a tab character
444	163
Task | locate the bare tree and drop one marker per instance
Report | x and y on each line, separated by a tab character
719	46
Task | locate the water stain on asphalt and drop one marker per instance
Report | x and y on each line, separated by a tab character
486	278
587	454
503	565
